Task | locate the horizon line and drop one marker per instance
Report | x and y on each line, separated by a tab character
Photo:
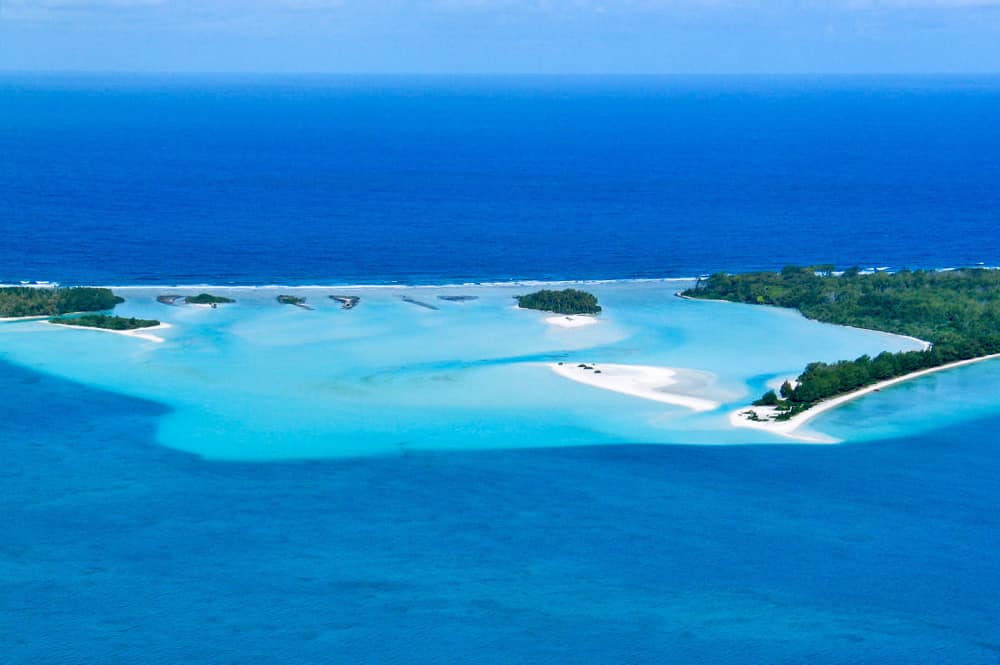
499	74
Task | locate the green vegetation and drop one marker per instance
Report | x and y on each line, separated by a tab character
567	301
957	311
105	322
34	301
207	299
291	300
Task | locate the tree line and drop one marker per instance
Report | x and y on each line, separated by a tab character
105	322
34	301
957	311
566	301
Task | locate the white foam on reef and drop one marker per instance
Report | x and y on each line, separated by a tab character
443	285
448	285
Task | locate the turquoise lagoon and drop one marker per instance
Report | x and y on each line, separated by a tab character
258	380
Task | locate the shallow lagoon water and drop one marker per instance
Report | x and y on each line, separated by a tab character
119	546
259	380
117	549
470	508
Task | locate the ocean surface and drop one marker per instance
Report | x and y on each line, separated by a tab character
148	180
398	483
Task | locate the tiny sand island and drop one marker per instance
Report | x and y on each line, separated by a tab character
576	308
208	300
567	301
660	384
572	321
347	302
200	300
293	300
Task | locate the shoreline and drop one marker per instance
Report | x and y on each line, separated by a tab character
788	428
924	344
643	381
138	333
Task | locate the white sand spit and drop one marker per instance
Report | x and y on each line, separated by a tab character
644	381
571	321
789	428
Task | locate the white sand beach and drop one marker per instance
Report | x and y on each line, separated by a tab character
790	427
571	321
13	319
140	333
644	381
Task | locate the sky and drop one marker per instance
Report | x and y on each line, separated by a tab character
502	36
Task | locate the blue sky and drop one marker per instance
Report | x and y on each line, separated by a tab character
504	36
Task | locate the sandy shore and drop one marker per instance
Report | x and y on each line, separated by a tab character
789	427
571	321
12	319
139	333
646	382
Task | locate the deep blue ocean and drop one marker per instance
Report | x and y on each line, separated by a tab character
115	549
316	179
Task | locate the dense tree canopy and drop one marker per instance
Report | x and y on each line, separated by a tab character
207	299
567	301
34	301
106	322
957	311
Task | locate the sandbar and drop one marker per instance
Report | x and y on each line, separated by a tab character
14	319
571	321
643	381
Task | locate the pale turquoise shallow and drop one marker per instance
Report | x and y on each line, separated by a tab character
258	380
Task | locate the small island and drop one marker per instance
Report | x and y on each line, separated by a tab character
458	298
566	301
207	299
105	322
955	311
28	301
293	300
347	302
418	303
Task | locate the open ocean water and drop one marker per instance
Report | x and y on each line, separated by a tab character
359	180
238	493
